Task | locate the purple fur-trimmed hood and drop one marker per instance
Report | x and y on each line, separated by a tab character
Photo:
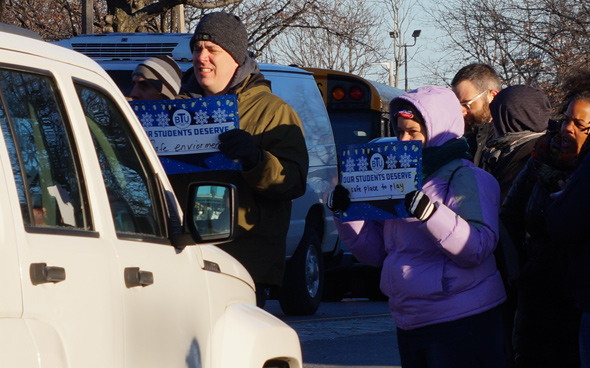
440	110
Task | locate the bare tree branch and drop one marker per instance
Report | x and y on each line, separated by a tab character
534	42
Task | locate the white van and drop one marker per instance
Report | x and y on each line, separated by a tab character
312	238
95	269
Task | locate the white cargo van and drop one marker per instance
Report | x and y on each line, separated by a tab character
95	270
312	237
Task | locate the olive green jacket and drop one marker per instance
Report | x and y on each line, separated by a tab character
265	192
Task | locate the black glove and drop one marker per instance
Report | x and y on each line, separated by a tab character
418	205
339	199
239	144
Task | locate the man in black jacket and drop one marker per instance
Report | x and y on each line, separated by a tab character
269	144
567	219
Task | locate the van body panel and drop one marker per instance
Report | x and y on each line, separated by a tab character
10	271
237	328
19	348
176	296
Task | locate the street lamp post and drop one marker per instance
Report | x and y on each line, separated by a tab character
415	34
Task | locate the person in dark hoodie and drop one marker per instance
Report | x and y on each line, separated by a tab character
521	116
546	321
269	144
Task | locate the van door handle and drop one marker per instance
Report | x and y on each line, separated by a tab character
136	277
43	274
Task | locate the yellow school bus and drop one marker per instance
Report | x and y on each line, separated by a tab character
358	108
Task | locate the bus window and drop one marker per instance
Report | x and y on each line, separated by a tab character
355	127
358	108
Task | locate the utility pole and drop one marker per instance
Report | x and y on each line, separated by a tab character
87	17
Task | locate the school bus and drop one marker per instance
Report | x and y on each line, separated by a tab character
358	108
359	112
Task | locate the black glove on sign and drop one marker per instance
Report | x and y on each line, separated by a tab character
418	205
339	199
239	144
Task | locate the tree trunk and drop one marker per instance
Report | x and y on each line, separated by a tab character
2	8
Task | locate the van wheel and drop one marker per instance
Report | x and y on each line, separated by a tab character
303	283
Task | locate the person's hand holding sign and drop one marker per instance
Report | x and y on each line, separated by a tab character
339	199
418	205
239	144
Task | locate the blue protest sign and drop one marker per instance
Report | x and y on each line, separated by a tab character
185	133
378	176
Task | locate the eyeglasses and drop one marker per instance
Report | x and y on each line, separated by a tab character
467	104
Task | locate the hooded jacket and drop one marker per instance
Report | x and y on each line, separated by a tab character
521	116
442	269
546	324
264	192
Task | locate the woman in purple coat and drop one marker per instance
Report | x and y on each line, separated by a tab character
439	271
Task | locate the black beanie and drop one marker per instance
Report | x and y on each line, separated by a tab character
401	107
225	30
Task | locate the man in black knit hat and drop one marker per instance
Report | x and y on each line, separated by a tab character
269	144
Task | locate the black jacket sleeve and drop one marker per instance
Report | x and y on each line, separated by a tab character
567	217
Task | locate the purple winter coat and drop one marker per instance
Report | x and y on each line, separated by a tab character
443	269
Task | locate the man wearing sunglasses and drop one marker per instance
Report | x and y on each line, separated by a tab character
476	85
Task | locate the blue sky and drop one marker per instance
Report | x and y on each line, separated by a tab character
424	54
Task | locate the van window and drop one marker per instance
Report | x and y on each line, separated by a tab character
311	110
40	149
302	94
132	194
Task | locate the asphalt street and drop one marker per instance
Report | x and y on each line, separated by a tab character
352	333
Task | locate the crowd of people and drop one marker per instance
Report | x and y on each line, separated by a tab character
490	269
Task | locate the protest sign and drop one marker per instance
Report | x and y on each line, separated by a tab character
378	175
185	133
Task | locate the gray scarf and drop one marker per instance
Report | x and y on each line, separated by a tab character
506	144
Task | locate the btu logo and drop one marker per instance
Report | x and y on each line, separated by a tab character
181	119
377	162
